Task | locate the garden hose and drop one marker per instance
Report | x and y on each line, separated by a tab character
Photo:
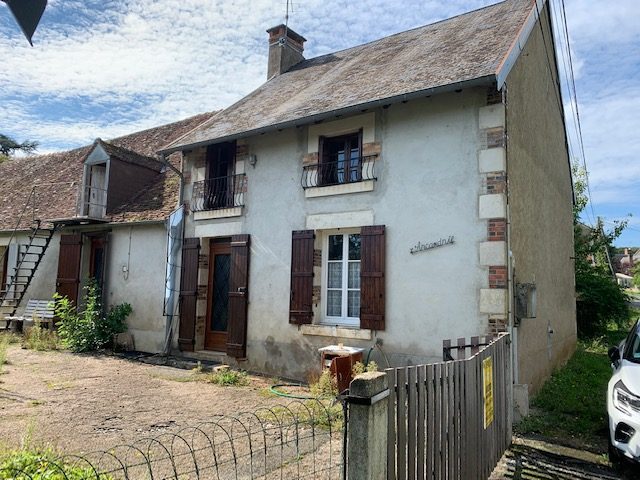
274	389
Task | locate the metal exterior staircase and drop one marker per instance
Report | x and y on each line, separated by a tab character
19	277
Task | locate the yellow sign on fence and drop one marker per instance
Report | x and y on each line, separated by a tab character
487	390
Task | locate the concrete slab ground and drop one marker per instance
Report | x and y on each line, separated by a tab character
536	459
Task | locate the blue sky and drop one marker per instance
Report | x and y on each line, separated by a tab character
106	68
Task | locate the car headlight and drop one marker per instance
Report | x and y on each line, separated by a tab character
624	400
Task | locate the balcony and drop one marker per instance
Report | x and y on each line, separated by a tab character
219	193
340	172
69	203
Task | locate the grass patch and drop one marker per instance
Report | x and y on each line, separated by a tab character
571	407
225	378
324	414
41	465
40	339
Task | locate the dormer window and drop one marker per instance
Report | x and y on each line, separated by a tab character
94	192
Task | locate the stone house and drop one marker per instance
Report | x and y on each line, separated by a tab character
99	211
332	204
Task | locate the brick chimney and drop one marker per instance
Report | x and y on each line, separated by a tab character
285	50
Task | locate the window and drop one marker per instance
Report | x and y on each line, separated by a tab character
352	290
340	159
342	279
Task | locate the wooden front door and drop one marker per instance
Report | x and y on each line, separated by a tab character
68	279
218	295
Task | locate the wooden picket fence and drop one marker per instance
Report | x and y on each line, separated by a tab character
437	414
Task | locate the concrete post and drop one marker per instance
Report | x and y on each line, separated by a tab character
367	430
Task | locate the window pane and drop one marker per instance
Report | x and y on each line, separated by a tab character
354	247
334	277
353	304
335	247
334	303
354	275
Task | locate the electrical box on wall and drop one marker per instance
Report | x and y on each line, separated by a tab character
526	298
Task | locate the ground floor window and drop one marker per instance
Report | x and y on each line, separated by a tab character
342	278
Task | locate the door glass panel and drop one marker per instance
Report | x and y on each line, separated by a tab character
334	303
335	247
335	275
354	247
354	275
353	306
220	310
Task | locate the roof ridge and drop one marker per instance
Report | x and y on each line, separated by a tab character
444	20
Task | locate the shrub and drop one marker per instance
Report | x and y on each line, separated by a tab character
41	465
326	386
600	300
89	329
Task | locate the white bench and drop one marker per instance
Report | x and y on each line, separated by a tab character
36	311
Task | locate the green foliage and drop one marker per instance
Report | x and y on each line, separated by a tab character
326	386
599	299
636	275
360	367
4	346
89	329
42	465
40	339
227	378
571	406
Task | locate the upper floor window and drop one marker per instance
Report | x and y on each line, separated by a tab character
222	188
340	159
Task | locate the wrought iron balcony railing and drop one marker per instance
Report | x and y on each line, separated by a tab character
338	172
219	192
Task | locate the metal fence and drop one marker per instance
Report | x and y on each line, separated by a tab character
220	192
339	171
303	439
451	420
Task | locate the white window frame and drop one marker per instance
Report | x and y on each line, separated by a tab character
344	321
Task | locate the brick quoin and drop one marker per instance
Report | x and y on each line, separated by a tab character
497	277
497	229
496	184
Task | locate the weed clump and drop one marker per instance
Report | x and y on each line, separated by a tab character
40	339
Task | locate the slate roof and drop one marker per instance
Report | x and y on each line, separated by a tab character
426	59
130	156
57	177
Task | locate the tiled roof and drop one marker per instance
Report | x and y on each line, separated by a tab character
57	176
130	156
461	49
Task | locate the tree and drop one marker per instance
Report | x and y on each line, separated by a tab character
8	147
599	299
636	275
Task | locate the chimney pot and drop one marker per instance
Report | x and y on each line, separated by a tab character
286	49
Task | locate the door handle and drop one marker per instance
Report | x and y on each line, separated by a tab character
242	290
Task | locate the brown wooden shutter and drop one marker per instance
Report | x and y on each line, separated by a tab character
238	297
68	280
372	277
301	301
188	294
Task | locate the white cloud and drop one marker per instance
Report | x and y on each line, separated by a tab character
106	68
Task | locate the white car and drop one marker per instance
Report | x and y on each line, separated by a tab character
623	398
